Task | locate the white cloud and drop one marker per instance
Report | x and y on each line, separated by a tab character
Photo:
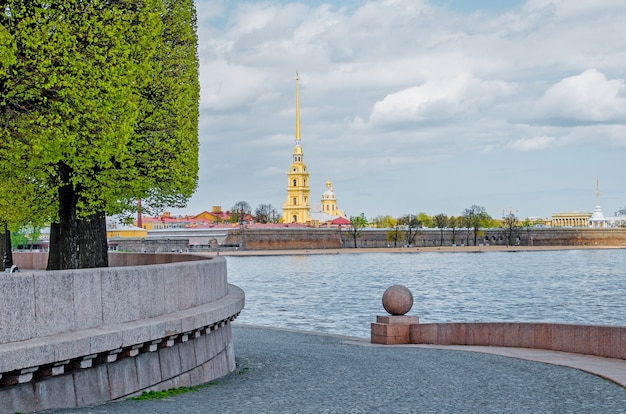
588	97
534	143
440	99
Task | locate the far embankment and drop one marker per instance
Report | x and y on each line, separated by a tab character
442	249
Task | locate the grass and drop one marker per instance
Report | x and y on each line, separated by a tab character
159	395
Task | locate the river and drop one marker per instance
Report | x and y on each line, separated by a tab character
341	293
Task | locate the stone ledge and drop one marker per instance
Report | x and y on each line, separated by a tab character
88	347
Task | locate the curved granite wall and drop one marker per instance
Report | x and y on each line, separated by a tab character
79	337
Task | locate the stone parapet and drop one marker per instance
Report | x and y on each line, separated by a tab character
71	338
604	341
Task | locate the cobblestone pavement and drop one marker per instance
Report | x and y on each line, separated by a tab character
282	371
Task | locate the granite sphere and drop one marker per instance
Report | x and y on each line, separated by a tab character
397	300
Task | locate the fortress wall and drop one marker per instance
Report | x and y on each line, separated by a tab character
285	239
75	337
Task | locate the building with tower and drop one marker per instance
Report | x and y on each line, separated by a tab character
296	208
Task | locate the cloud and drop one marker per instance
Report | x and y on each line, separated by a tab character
533	144
588	97
397	91
440	99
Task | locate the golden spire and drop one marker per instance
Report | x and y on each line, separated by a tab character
297	112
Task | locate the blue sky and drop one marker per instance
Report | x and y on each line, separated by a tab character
414	106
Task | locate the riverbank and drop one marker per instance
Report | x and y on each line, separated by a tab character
283	371
435	249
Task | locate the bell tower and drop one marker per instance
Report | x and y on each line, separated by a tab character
296	208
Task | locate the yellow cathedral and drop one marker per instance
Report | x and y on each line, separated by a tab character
296	208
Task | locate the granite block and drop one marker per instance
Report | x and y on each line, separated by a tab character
543	336
122	377
102	340
148	369
54	295
56	392
71	345
496	334
92	385
87	288
187	354
477	333
25	354
120	290
152	293
401	319
169	359
201	351
17	399
451	334
17	307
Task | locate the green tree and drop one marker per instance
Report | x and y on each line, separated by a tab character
383	222
425	220
395	235
100	108
357	224
475	217
440	221
410	224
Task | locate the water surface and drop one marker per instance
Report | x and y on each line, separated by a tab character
341	293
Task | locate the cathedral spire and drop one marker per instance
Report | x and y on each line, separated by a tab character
297	112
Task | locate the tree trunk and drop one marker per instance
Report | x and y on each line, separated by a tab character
64	244
92	233
7	254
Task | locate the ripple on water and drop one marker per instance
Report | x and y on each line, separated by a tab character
341	293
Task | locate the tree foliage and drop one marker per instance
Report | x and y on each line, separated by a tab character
395	235
358	223
99	103
475	217
383	222
410	223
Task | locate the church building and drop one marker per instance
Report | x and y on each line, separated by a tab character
296	208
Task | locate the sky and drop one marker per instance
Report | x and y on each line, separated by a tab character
412	106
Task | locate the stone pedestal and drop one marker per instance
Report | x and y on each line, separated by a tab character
392	329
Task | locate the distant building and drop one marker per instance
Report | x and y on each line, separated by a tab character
296	208
570	219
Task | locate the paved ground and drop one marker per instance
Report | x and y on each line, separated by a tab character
293	372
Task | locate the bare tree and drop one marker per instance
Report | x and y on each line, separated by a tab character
441	222
511	224
238	211
266	213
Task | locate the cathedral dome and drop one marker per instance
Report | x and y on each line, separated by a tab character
329	194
